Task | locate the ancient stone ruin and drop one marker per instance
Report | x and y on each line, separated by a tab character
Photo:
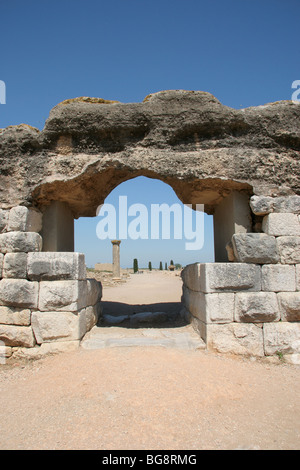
243	165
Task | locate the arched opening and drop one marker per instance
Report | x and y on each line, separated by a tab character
64	201
158	231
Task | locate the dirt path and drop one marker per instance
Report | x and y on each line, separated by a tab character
151	398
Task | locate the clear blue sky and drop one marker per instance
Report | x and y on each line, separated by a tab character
245	52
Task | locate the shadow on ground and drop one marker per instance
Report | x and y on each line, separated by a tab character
155	315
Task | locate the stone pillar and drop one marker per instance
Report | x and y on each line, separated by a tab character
58	227
231	216
116	259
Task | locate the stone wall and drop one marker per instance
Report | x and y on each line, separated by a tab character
252	305
46	301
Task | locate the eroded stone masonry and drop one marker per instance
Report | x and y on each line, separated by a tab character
243	165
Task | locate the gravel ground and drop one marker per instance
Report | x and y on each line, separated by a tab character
151	398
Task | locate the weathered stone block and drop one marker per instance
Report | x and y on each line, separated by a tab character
209	308
252	307
22	219
92	314
289	306
281	337
219	307
261	205
56	266
1	264
14	316
15	265
230	277
19	293
289	249
278	278
17	336
45	349
236	338
58	326
281	224
62	295
256	248
4	214
298	277
94	291
191	276
287	204
192	301
20	242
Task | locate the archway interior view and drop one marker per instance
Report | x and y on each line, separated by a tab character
156	236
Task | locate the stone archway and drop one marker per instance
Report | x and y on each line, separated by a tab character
208	153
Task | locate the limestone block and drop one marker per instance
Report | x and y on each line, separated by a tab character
58	326
230	277
297	276
13	335
261	205
94	291
281	224
62	295
1	264
55	266
92	313
15	265
287	204
4	214
22	219
278	277
256	248
209	308
219	307
289	249
19	293
46	348
289	306
281	337
191	276
193	302
252	307
14	316
20	242
236	338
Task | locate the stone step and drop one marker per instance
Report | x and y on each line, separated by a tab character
107	337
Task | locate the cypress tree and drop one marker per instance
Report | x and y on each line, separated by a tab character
135	265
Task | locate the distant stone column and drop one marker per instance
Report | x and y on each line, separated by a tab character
116	259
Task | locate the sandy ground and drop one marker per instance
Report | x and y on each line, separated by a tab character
150	291
149	398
